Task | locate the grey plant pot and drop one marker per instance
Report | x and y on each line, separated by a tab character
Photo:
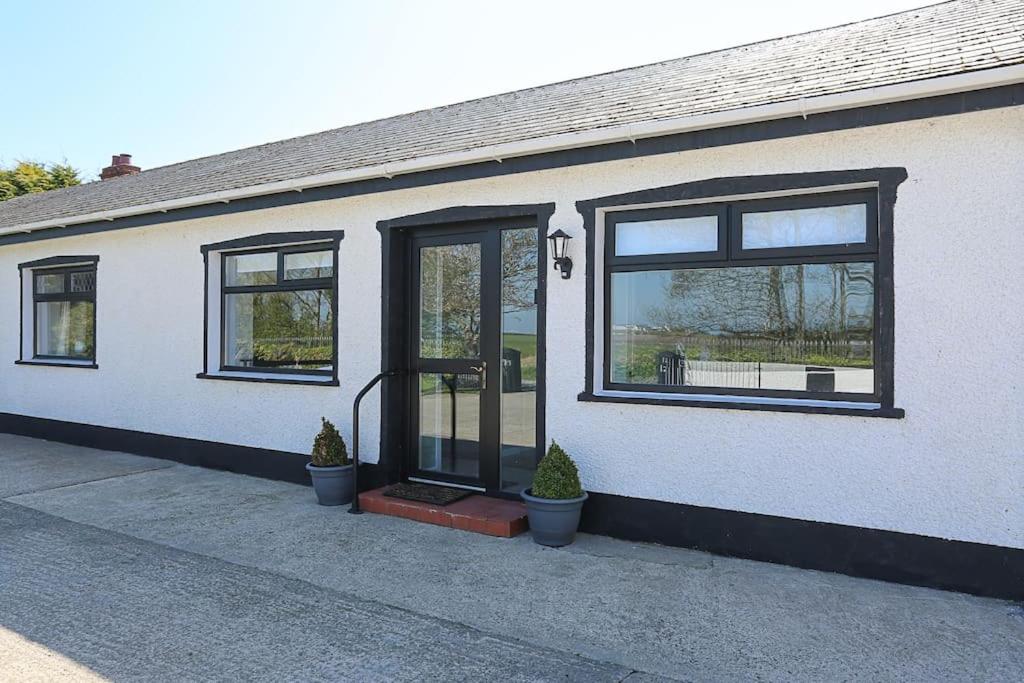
333	485
553	522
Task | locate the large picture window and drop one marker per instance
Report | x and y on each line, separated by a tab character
64	313
278	308
774	297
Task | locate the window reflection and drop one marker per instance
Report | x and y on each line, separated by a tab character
667	236
66	329
805	227
308	265
518	358
250	269
450	301
279	330
64	312
50	284
449	412
796	327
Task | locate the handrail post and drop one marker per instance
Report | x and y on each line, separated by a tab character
354	509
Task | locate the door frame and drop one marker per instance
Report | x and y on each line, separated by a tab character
396	288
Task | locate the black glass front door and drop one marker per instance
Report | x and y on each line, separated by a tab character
474	357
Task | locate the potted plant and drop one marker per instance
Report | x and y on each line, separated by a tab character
330	469
555	501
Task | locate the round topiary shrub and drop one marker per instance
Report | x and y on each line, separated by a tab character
329	448
557	476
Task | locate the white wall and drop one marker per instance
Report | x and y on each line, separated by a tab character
954	467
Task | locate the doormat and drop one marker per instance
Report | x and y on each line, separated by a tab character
426	493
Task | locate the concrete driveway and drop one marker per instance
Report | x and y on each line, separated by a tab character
118	567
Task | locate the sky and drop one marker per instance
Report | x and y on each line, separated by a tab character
170	81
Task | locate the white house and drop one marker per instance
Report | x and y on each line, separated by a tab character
790	330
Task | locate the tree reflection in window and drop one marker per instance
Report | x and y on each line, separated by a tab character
762	325
279	310
280	329
450	301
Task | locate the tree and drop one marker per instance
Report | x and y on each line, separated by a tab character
7	188
30	177
64	175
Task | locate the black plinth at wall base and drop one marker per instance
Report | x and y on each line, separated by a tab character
977	568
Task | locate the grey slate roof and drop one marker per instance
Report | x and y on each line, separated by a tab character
939	40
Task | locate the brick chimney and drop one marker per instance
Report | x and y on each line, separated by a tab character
120	164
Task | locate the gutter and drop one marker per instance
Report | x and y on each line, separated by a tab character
803	107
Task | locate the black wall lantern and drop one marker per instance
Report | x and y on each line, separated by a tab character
559	242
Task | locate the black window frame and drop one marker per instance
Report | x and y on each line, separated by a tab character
329	283
731	255
66	295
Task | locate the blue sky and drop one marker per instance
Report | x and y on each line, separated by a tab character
173	81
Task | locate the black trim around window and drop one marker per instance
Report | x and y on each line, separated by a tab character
54	261
276	239
877	249
731	254
280	244
65	267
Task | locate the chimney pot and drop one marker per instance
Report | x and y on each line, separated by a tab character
120	164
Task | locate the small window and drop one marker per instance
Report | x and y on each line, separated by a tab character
805	227
812	225
278	308
83	282
658	234
310	265
251	269
788	308
52	283
64	313
667	236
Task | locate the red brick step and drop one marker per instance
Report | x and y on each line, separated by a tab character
483	515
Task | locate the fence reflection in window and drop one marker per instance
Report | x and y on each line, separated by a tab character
806	327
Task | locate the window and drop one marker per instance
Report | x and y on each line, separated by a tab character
279	311
275	299
770	297
693	234
59	311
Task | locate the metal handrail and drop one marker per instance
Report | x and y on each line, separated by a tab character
354	510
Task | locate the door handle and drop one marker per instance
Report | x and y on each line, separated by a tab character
482	369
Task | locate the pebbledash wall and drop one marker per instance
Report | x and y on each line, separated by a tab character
953	468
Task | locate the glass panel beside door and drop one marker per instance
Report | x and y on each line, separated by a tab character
519	274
